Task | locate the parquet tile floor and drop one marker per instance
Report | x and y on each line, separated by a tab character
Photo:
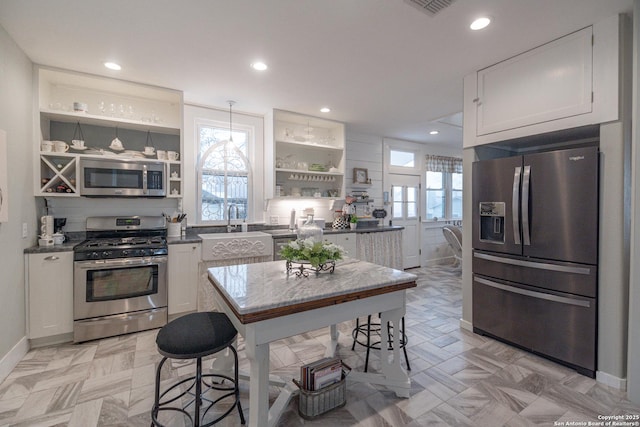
458	378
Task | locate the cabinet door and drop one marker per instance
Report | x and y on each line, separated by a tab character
182	272
50	282
348	242
550	82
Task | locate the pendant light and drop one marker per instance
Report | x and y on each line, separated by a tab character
231	104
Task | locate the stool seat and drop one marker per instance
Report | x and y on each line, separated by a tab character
196	335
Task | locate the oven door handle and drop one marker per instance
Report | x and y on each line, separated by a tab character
145	184
129	262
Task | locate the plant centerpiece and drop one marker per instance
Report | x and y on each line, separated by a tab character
310	255
353	222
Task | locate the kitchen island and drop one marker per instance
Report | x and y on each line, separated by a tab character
266	304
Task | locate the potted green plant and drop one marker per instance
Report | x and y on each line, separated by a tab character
353	222
320	255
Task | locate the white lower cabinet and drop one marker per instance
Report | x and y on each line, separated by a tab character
183	277
346	240
50	293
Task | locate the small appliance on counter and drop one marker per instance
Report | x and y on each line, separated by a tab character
58	223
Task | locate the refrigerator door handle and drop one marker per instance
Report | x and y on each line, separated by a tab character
532	264
526	178
515	204
534	294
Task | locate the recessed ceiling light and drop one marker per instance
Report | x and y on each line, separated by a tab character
434	132
113	66
325	110
259	66
480	23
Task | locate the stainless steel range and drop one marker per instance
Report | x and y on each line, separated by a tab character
120	277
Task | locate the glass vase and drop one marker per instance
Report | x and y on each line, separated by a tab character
310	230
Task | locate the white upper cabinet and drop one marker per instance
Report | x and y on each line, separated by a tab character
96	109
108	102
569	82
308	157
546	83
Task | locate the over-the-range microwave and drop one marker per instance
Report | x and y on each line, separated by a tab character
122	178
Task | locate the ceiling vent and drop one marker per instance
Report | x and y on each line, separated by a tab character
430	7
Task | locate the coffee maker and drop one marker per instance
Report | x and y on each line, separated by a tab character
58	223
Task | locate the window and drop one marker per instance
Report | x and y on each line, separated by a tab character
403	159
405	201
224	173
436	202
443	189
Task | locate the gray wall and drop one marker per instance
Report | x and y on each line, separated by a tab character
16	118
633	370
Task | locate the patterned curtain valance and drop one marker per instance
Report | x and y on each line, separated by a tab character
443	164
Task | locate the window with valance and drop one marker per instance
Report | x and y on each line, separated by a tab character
443	189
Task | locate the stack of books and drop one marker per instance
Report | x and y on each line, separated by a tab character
321	373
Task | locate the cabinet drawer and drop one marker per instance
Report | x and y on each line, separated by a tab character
561	326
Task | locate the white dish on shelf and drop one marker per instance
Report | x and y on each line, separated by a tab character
111	147
78	148
131	153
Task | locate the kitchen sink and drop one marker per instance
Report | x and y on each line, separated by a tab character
221	246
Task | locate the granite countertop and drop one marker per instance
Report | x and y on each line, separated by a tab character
192	237
65	247
289	233
253	289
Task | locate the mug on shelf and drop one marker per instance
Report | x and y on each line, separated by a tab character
77	143
60	147
46	146
162	155
173	155
149	150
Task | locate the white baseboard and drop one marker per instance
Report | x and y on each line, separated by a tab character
11	359
466	325
611	381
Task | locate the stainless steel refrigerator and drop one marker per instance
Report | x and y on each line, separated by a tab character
535	257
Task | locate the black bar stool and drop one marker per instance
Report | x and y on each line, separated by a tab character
195	336
368	329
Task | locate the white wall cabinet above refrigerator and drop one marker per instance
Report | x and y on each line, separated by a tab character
569	82
547	83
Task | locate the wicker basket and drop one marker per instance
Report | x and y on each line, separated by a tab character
312	404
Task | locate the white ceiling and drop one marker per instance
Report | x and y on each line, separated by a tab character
384	67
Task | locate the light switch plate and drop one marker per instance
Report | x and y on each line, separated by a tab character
273	220
25	230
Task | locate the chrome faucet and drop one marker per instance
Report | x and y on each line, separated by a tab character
230	227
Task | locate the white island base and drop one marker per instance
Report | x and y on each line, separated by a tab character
303	305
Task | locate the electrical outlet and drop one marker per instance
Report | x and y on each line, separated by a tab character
273	220
25	231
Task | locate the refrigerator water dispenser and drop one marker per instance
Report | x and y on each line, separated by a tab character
492	222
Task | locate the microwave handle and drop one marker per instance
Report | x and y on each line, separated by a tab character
144	179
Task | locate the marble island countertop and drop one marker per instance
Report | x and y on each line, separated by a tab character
264	290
